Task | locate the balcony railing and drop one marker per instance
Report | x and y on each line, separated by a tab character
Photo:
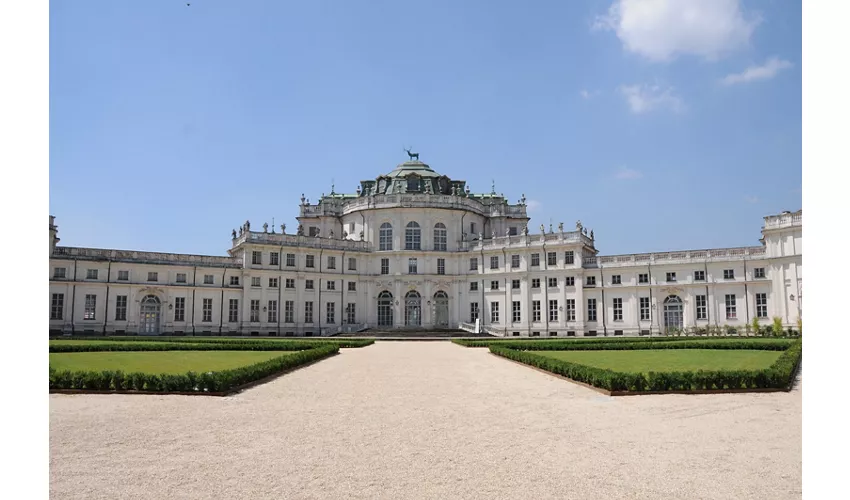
719	254
784	220
291	240
335	208
146	257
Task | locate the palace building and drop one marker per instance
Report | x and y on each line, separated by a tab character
415	250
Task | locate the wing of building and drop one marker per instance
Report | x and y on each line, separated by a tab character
415	250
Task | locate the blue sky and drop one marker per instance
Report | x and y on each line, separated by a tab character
661	125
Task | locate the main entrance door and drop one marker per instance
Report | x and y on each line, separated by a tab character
149	320
672	312
385	309
441	310
412	309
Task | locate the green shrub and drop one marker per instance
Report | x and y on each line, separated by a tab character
777	326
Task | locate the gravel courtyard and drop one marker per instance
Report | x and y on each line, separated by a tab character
425	420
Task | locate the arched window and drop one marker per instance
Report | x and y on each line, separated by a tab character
673	310
412	309
412	236
385	309
440	237
412	183
385	237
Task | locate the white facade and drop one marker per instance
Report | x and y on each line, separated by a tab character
443	254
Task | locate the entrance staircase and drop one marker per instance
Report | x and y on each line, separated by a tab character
413	334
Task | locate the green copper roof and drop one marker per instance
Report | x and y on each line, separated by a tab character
413	167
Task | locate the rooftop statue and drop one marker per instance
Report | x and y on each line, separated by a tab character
412	155
233	234
561	227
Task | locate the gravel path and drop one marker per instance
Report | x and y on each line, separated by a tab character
425	420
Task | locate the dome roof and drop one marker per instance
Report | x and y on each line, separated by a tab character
413	167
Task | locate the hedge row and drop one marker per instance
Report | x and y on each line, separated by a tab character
219	381
186	346
605	340
571	345
777	376
342	343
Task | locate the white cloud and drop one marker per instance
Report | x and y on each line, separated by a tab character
587	94
751	199
662	29
533	205
625	173
764	72
644	98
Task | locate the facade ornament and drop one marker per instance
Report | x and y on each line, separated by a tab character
525	230
241	230
358	190
542	229
508	232
591	234
578	226
300	230
265	227
247	225
522	200
303	199
331	235
411	156
493	186
584	230
233	234
550	228
283	228
493	234
361	235
480	236
560	227
345	234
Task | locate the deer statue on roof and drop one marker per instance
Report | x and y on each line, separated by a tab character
412	155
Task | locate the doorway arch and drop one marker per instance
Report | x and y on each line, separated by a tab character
412	309
385	309
673	309
441	309
149	315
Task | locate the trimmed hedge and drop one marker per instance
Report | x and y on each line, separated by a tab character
603	340
779	375
571	345
188	346
216	382
342	343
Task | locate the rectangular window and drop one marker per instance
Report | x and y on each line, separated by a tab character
179	309
289	311
473	264
591	309
643	278
352	264
290	260
699	275
255	311
310	261
571	309
411	265
272	311
553	282
274	259
644	309
272	282
494	285
553	310
569	257
494	312
535	260
535	310
552	259
57	305
570	281
352	286
702	309
120	308
494	262
233	311
412	237
125	276
535	283
472	228
90	307
728	274
207	310
473	312
758	273
308	312
513	231
234	281
515	284
351	313
441	266
761	305
59	273
618	309
153	276
255	281
330	285
331	262
514	261
91	274
330	313
181	277
671	277
616	279
257	258
351	228
308	284
591	281
208	279
731	310
516	315
473	286
385	266
290	283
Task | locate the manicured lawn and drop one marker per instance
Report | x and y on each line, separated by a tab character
160	361
669	360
